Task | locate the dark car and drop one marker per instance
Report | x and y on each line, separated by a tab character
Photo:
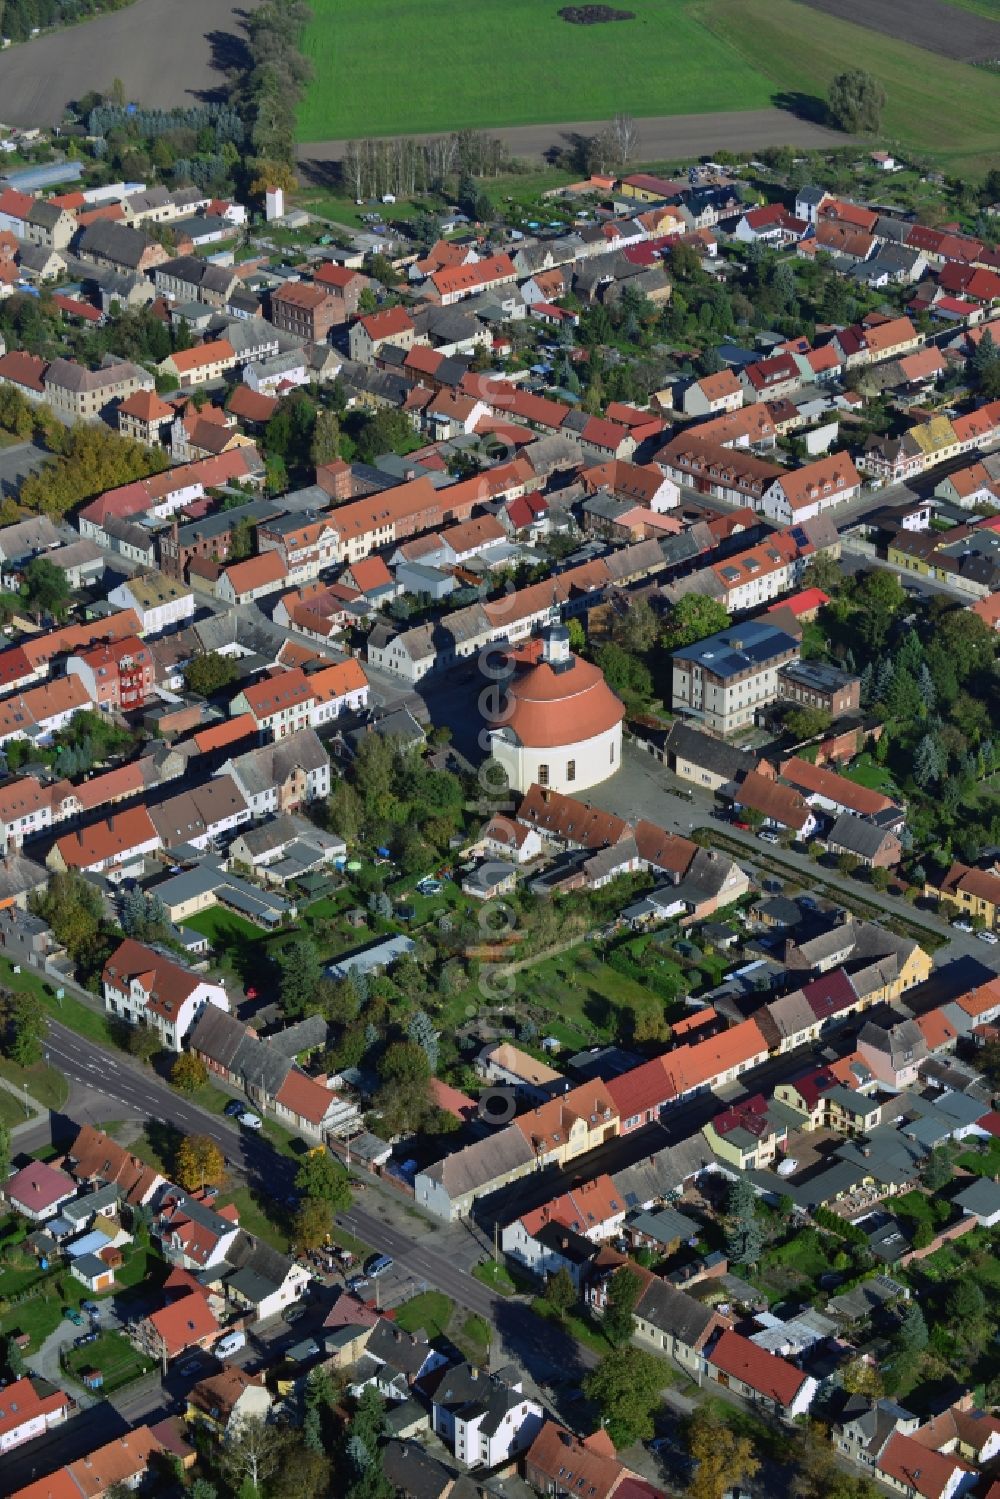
233	1107
378	1264
85	1338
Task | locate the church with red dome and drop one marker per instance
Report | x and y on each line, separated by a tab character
558	723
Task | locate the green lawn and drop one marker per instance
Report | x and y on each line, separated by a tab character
11	1109
114	1355
509	62
868	773
495	1276
46	1293
224	929
430	1312
255	1218
933	104
44	1083
981	1163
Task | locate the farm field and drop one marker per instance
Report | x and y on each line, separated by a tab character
380	67
972	36
934	104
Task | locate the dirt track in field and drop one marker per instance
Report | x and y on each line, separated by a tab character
932	24
166	53
663	138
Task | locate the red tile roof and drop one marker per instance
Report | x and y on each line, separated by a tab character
304	1097
38	1186
919	1470
770	1376
183	1323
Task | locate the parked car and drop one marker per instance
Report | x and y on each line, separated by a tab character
378	1264
233	1108
72	1315
294	1313
357	1283
85	1338
190	1367
91	1307
766	836
962	925
250	1121
990	937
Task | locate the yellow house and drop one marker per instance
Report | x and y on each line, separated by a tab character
976	892
570	1125
751	1133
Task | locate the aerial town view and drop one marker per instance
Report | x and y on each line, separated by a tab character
500	749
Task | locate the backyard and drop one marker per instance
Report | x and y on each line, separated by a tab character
33	1300
114	1356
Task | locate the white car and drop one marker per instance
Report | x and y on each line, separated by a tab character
768	837
249	1121
990	937
961	925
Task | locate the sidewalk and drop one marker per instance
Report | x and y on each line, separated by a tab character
35	1113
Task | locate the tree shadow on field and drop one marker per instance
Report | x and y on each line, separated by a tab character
803	106
325	174
229	56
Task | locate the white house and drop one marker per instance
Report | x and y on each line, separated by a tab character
28	1411
804	493
485	1418
161	603
144	987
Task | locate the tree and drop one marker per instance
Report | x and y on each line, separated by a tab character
23	1028
188	1073
623	1293
938	1170
624	673
402	1101
323	1178
638	628
312	1223
928	764
240	540
693	618
745	1238
326	438
807	723
560	1292
251	1454
861	1377
73	909
13	1358
856	101
4	1150
301	972
912	1334
46	589
199	1163
209	674
722	1457
305	1470
626	1388
422	1033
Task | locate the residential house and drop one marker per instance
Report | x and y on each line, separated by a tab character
118	677
371	333
144	987
30	1407
205	362
124	838
83	394
485	1419
161	603
282	776
38	1191
306	309
222	1402
763	1379
803	493
187	1323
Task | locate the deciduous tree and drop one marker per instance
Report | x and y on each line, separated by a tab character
722	1457
856	101
188	1073
199	1163
323	1178
626	1387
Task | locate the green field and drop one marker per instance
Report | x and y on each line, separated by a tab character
933	104
385	66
